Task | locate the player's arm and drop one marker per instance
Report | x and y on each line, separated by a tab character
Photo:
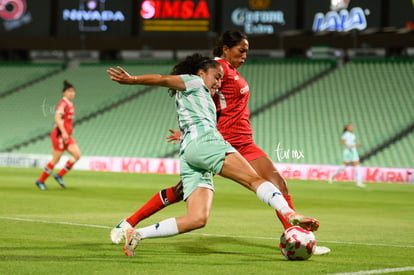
59	122
123	77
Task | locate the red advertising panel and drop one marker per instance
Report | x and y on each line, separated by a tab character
97	17
157	16
25	17
342	15
402	14
259	16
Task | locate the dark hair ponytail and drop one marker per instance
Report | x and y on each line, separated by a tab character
66	85
229	39
191	65
346	128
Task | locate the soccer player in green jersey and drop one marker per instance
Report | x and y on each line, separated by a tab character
203	151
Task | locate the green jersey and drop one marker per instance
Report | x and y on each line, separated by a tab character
195	109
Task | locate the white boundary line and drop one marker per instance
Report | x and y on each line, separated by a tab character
202	234
378	271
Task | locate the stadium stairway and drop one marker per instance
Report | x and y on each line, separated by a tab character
396	148
17	76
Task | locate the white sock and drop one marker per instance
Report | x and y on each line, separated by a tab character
340	169
270	195
164	228
358	174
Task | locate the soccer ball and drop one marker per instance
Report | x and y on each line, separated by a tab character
297	244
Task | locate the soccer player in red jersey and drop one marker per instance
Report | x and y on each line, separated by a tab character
61	138
233	123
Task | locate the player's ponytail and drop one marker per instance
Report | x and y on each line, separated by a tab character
229	39
66	85
191	64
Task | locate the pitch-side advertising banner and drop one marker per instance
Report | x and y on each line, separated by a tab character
172	166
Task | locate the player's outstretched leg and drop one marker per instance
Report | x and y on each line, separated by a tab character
160	200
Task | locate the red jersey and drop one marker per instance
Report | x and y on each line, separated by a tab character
66	108
231	103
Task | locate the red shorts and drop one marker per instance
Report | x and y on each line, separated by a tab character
248	149
57	141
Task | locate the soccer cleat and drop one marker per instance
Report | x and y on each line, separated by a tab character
306	223
330	179
41	185
118	232
360	184
59	180
321	250
132	238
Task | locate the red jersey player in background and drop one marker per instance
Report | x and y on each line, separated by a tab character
233	122
61	138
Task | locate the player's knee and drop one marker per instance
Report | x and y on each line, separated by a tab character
75	158
199	222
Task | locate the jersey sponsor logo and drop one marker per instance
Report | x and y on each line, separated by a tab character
244	89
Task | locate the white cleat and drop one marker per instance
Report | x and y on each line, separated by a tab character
321	250
330	179
360	184
132	239
118	232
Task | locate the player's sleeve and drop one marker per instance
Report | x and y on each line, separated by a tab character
60	108
192	83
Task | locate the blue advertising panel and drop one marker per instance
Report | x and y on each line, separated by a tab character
342	15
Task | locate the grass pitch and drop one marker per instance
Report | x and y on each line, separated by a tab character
66	231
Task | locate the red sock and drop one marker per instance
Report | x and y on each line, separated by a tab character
65	169
46	172
285	223
157	202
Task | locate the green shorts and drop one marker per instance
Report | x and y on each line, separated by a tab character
350	155
201	159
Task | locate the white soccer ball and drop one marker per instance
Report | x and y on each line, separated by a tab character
297	244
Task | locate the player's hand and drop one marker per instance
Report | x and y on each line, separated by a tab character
120	75
176	136
65	137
